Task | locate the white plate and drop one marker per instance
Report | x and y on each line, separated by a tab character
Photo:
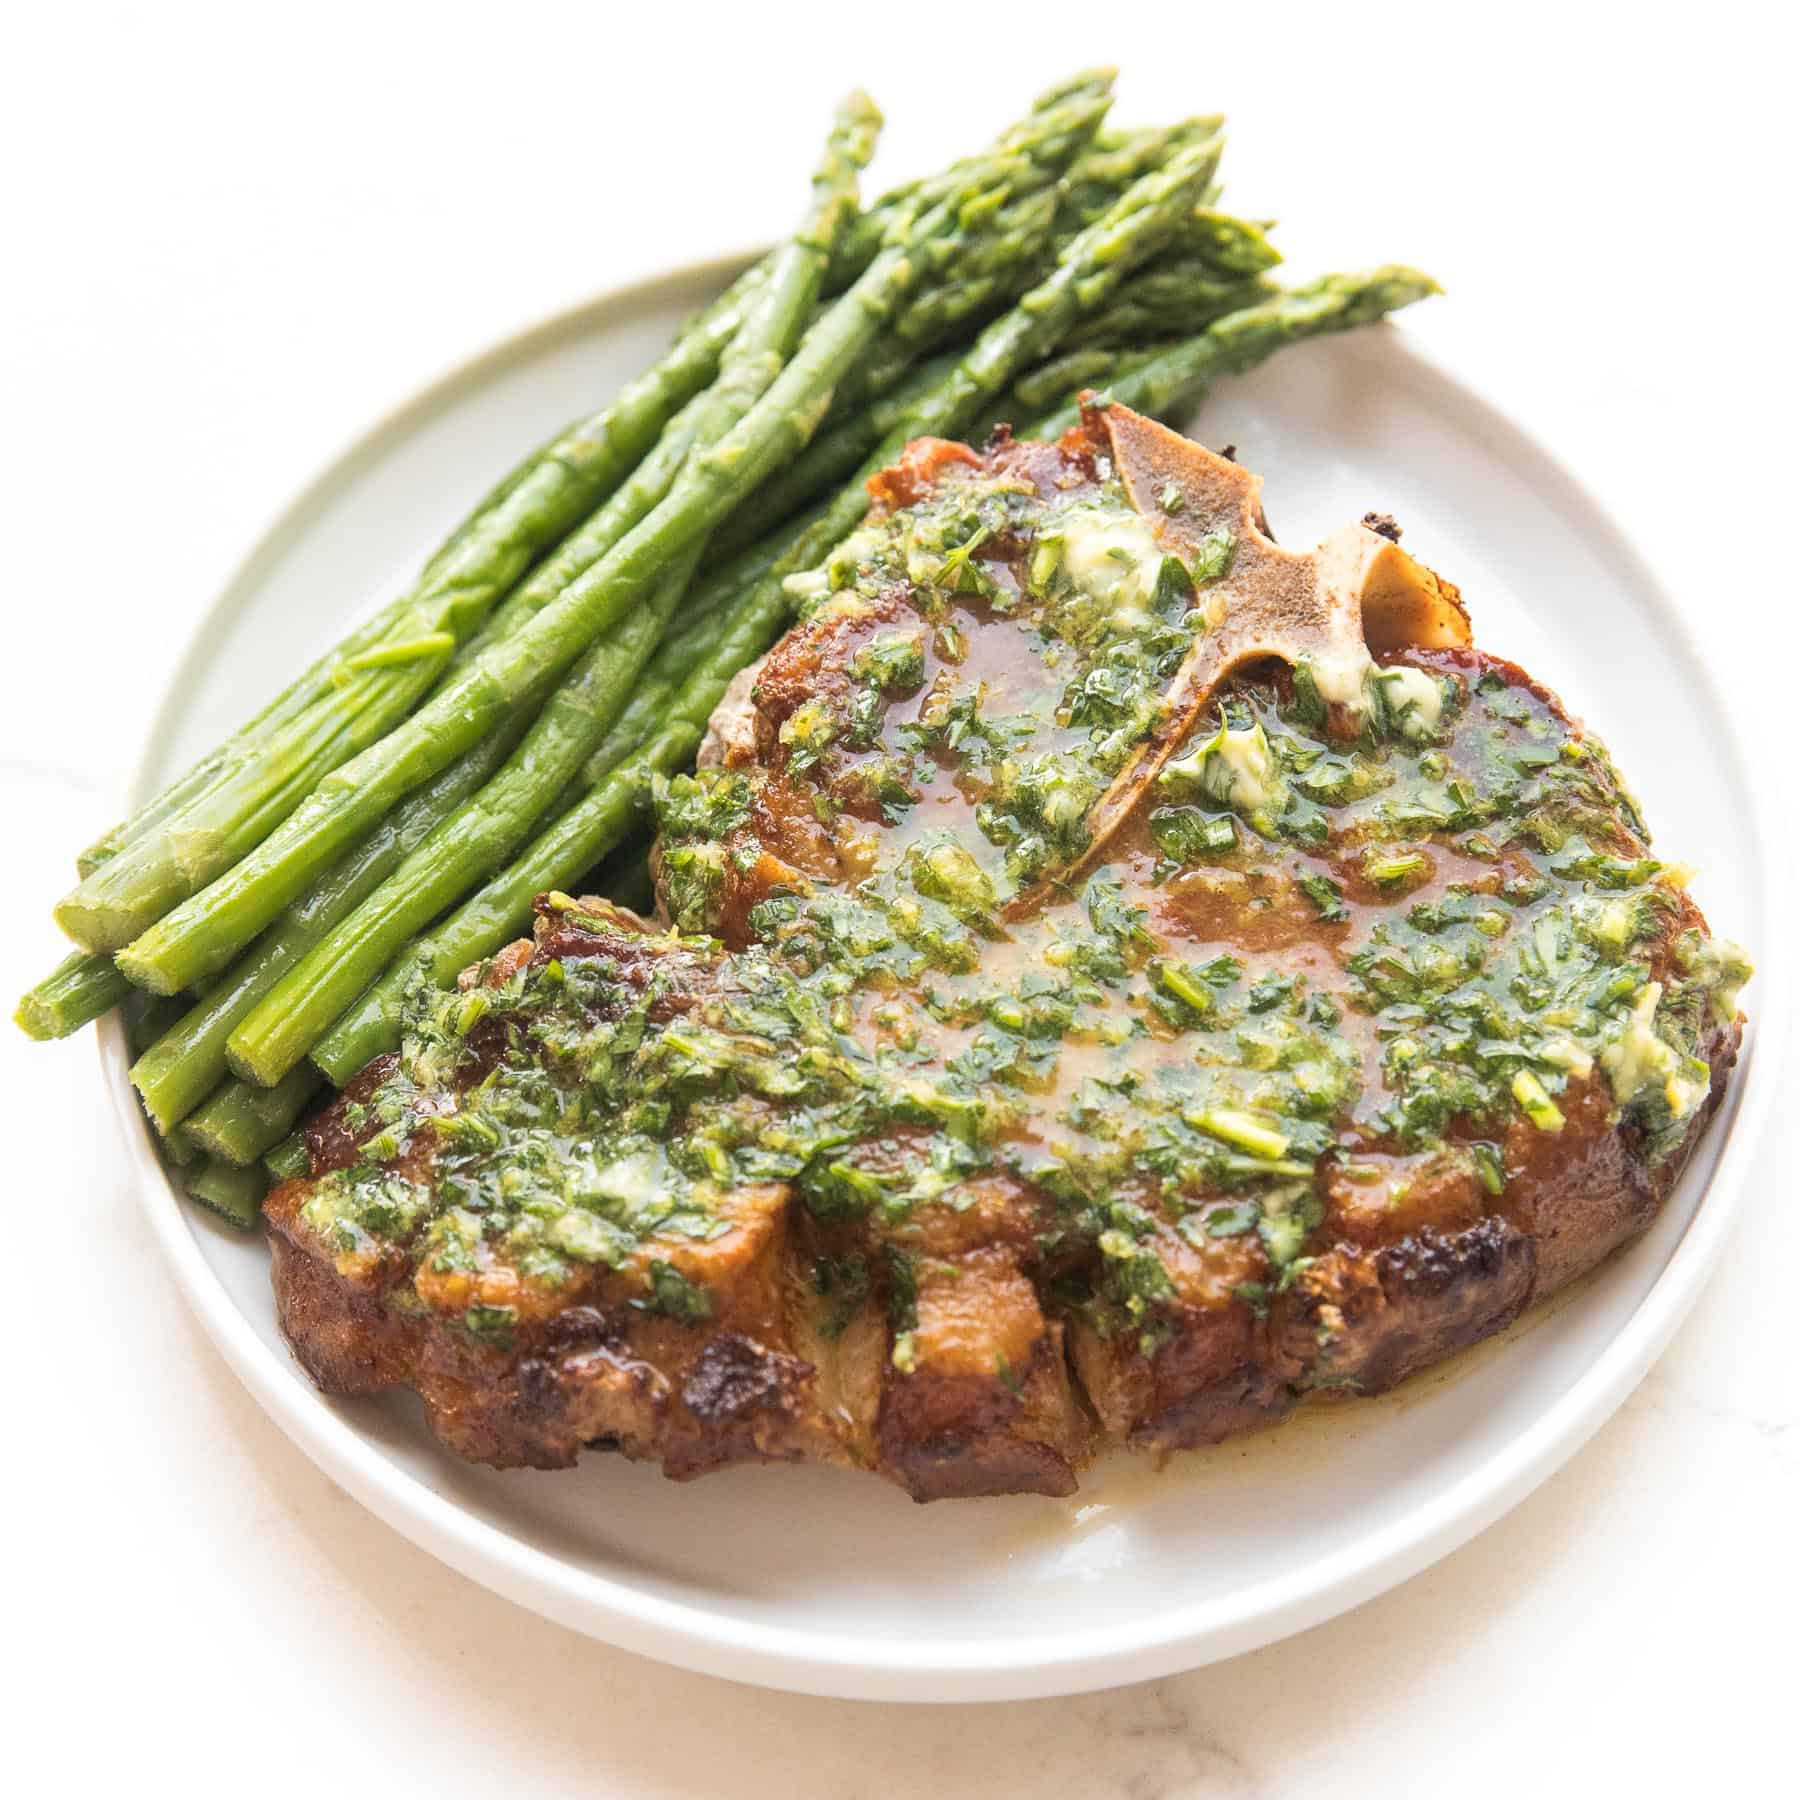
834	1584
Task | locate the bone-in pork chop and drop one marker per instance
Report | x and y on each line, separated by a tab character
1115	977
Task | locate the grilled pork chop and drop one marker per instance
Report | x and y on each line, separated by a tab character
1114	978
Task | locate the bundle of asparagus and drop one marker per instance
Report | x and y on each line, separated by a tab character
388	818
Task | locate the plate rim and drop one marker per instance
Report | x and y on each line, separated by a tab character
925	1669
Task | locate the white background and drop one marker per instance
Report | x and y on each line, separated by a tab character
232	235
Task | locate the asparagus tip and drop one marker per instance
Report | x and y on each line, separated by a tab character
1097	80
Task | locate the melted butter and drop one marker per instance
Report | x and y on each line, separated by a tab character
1637	1060
1415	698
1112	557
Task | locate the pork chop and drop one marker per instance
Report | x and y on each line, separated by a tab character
1114	978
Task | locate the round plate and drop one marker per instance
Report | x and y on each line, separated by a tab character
828	1583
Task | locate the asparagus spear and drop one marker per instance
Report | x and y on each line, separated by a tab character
1099	176
711	614
1226	243
1003	259
80	988
468	846
1088	272
240	1121
1053	381
576	554
200	776
830	458
1174	300
955	308
1174	378
1148	316
1098	79
290	1159
234	1194
146	1022
998	238
719	612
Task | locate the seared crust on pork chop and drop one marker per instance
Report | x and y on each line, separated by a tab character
1119	977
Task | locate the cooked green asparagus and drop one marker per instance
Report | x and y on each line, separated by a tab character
391	816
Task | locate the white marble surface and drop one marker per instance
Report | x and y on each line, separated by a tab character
235	236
